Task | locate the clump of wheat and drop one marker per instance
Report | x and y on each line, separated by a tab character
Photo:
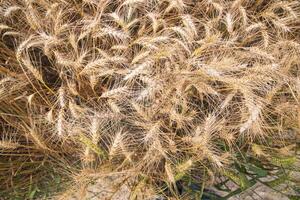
153	89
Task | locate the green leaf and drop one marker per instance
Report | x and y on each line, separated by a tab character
85	140
239	178
211	196
33	192
257	170
293	197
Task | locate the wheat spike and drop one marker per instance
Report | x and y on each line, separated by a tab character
6	145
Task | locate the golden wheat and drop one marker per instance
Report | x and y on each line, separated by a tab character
156	90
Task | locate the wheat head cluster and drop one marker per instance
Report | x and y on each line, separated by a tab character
148	91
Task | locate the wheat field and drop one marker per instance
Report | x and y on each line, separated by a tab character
148	99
